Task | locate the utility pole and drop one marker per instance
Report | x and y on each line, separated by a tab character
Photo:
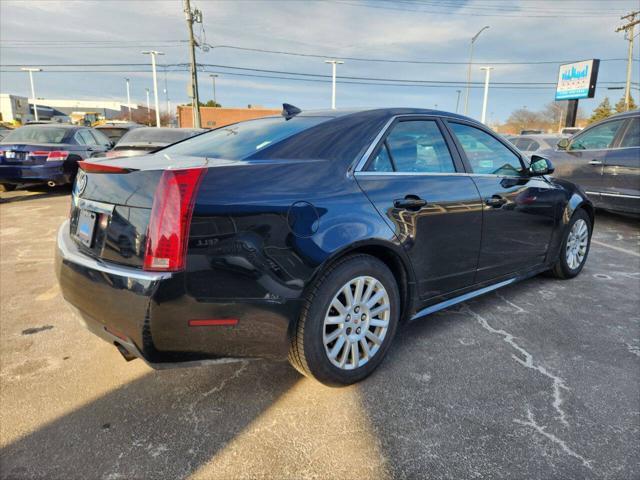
486	92
153	54
193	16
473	40
213	77
128	98
33	91
148	108
333	80
628	29
458	100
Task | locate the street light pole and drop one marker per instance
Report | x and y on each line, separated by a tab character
486	92
333	80
148	108
473	41
33	90
153	54
628	29
213	78
128	98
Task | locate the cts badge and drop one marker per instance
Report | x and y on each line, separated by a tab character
81	182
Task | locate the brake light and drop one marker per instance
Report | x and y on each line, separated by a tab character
90	167
52	156
168	231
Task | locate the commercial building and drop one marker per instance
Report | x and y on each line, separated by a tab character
214	117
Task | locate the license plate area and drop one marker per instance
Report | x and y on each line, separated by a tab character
86	227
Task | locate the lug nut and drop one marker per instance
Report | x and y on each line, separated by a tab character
358	330
364	316
357	309
348	317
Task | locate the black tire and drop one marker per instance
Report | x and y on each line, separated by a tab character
561	269
307	350
7	187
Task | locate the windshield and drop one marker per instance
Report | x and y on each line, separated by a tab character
243	139
163	136
36	134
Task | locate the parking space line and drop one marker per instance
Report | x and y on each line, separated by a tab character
623	250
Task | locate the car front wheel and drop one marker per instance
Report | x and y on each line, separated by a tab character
575	247
347	323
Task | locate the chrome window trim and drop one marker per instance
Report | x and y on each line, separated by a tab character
430	174
597	149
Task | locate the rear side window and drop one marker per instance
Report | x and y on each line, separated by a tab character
87	138
597	138
243	139
415	146
485	153
631	137
36	134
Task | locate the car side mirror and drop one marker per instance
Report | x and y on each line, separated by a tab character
563	144
540	166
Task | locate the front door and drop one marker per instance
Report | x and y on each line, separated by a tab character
518	210
415	182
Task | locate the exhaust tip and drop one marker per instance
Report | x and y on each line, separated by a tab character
51	184
128	356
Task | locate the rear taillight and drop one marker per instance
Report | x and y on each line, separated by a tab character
168	231
52	156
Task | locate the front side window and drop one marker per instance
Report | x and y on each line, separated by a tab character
485	153
632	135
415	146
597	138
240	140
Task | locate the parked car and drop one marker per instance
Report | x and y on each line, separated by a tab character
312	235
533	143
149	139
570	130
530	132
604	159
115	130
47	153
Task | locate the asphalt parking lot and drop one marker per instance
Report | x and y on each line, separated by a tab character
539	380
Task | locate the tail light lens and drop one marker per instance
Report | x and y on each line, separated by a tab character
168	231
52	156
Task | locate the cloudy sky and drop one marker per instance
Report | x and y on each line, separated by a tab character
110	34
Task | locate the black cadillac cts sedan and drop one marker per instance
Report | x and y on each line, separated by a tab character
312	235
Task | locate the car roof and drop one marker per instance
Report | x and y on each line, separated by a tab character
53	125
632	113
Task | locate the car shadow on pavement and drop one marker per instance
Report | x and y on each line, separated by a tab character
166	424
33	194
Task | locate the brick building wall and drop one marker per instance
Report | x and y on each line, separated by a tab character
212	117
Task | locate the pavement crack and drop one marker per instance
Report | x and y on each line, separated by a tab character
527	361
541	429
517	308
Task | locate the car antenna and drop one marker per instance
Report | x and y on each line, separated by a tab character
289	111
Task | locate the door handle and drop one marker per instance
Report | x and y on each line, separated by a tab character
595	162
496	201
410	202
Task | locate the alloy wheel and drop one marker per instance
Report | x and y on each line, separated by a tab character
577	243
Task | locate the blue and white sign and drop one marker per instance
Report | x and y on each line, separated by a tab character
577	80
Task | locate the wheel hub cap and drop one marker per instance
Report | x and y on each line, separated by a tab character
577	243
356	322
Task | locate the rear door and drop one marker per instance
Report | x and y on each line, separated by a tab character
621	179
417	184
518	210
586	155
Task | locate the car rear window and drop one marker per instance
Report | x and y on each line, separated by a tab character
35	134
157	135
114	134
243	139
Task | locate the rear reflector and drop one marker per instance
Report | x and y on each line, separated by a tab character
52	156
213	322
168	231
90	167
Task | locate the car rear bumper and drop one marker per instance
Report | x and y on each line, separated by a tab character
49	172
148	313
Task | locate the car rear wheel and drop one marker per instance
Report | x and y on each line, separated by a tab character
575	247
7	187
347	323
